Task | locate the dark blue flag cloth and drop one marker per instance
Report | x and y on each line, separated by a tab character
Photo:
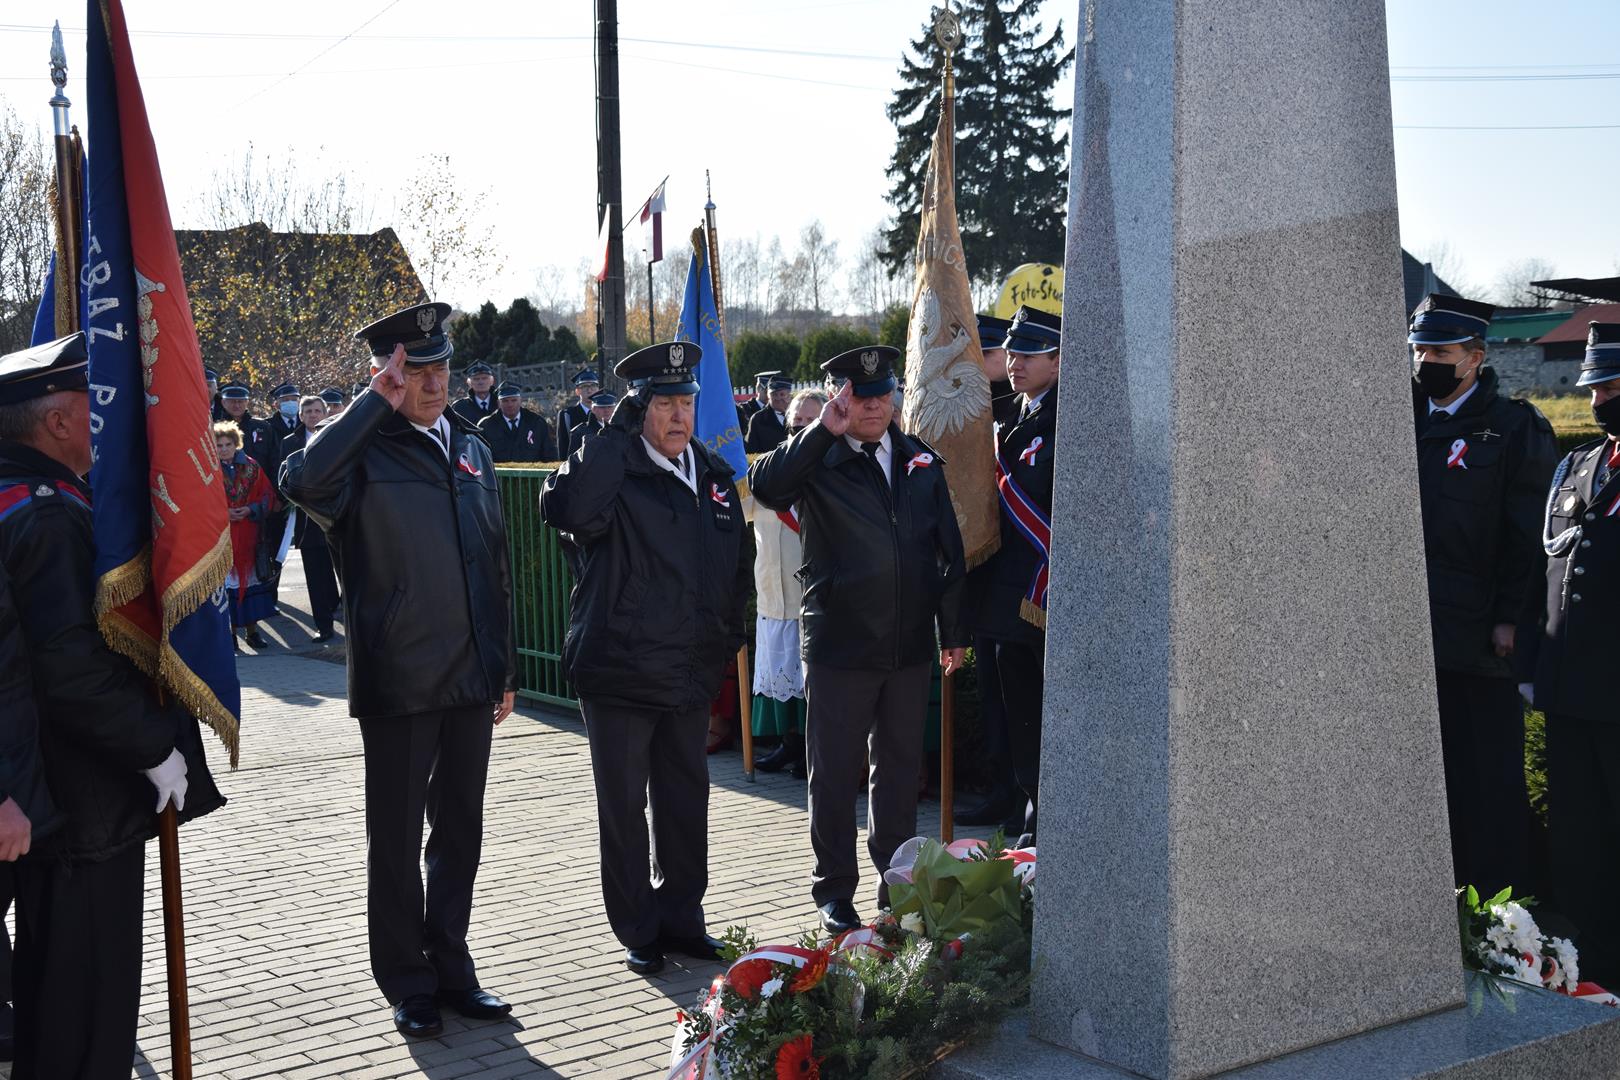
717	426
45	317
158	504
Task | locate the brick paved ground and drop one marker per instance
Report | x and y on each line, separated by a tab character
275	890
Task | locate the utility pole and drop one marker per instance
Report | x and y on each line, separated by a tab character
611	341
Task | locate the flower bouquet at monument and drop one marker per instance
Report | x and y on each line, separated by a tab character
884	1001
1500	938
961	888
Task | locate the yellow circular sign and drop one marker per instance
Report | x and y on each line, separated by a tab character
1039	285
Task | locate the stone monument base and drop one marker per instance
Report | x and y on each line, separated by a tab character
1512	1036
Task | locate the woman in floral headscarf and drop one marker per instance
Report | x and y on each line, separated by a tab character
250	496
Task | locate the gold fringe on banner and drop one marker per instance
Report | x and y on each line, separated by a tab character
1032	613
195	695
196	586
122	584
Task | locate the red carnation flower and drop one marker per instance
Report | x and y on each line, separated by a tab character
809	976
795	1062
747	977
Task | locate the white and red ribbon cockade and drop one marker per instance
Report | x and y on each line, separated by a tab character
920	461
464	463
1034	447
1459	450
719	495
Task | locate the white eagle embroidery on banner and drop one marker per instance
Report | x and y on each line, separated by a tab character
937	356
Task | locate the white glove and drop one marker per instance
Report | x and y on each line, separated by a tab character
170	779
1527	690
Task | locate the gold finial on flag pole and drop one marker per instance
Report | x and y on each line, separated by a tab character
948	32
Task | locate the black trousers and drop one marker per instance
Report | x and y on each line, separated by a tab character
862	727
78	967
1583	827
643	758
993	720
320	577
433	764
1482	743
1021	674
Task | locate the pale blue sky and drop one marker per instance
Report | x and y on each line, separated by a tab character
786	109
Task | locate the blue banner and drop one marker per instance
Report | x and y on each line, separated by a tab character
717	425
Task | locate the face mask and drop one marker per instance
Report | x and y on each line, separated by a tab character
1439	381
1607	415
289	409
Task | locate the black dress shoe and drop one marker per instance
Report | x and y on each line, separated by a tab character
646	960
325	635
256	640
698	946
776	760
838	916
418	1017
475	1003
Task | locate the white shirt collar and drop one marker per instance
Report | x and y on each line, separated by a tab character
686	471
442	426
883	444
1451	410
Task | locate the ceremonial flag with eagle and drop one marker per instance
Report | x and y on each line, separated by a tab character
947	400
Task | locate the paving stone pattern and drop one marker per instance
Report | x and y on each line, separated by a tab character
275	901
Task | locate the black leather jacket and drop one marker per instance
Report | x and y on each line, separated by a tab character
100	723
663	574
1482	480
419	543
882	566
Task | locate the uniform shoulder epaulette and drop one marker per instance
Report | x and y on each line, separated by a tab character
18	495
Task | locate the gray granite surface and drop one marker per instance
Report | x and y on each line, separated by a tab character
1524	1035
1244	847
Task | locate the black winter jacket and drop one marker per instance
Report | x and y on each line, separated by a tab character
100	723
1575	665
1482	479
882	564
663	574
531	442
22	773
419	543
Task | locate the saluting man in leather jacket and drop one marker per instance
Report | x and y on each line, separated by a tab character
406	493
112	755
1483	466
664	565
883	566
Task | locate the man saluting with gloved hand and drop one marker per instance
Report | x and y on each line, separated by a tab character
664	567
105	742
406	493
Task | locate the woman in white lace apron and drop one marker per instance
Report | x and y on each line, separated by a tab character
778	670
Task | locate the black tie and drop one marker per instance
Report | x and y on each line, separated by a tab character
438	436
513	424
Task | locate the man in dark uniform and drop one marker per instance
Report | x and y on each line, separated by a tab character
1483	465
284	414
1004	804
883	565
257	438
767	429
665	569
216	412
407	495
111	753
480	400
586	385
514	433
747	410
602	404
1009	590
332	397
1574	670
319	575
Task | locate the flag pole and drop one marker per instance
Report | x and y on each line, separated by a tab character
948	32
68	194
745	683
68	189
652	330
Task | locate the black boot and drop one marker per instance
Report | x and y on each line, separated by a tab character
789	755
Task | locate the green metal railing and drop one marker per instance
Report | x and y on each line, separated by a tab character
541	582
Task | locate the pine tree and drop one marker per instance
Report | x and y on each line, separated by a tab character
1012	143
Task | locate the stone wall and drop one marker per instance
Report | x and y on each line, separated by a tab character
1523	371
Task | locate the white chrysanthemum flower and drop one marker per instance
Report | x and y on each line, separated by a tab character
770	988
1526	935
1525	971
912	923
1563	951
